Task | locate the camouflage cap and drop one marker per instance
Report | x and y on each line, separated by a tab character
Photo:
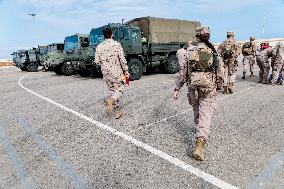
252	38
230	33
202	30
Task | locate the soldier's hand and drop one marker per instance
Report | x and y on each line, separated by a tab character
176	95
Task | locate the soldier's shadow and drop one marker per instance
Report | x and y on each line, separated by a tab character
187	133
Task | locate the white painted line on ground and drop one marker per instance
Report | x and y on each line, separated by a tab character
189	110
177	162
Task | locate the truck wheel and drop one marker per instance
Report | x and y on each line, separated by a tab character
57	70
95	72
171	66
84	72
24	69
135	69
67	69
32	67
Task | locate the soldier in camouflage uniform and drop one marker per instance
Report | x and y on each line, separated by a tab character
229	50
110	56
201	78
263	53
249	51
278	66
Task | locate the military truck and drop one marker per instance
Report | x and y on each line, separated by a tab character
54	54
26	60
149	42
75	58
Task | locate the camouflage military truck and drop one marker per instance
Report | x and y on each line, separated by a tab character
76	56
53	56
26	60
149	43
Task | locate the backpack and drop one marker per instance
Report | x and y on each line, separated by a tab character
228	51
247	49
202	61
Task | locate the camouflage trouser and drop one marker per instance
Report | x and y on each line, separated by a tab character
230	72
277	69
204	103
264	68
117	91
248	61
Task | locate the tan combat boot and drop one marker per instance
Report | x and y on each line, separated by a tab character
109	106
230	88
118	113
198	153
225	90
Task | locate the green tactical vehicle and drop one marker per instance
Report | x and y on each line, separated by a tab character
149	43
26	60
53	56
76	57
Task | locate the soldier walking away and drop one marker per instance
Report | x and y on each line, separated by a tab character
229	51
249	51
263	53
201	78
110	57
278	66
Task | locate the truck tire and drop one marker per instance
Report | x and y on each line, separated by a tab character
67	69
32	67
84	72
135	69
95	72
24	69
171	66
57	70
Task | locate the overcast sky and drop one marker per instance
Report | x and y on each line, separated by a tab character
56	19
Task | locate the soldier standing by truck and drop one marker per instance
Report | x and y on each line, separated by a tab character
110	56
201	78
229	50
249	51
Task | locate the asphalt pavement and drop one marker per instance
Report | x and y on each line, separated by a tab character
54	134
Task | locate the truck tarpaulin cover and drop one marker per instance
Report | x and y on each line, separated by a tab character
159	30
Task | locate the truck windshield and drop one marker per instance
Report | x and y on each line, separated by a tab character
71	43
96	36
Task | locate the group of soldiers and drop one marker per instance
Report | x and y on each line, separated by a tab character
203	69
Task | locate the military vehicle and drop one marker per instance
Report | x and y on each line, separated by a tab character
75	56
149	43
29	60
26	60
54	54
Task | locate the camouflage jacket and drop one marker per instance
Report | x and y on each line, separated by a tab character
278	53
263	55
251	50
236	49
110	56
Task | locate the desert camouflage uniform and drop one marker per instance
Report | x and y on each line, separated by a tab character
249	60
201	91
262	60
110	56
230	64
278	66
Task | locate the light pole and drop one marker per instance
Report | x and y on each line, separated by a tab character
33	17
